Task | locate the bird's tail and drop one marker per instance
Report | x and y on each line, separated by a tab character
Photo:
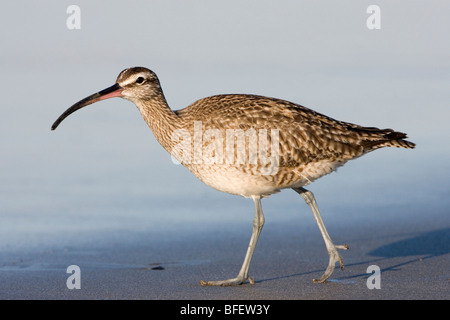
381	138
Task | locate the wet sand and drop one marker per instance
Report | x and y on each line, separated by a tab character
413	255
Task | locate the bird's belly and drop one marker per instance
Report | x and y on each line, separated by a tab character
246	181
235	180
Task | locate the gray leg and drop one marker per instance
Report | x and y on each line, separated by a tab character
258	223
331	247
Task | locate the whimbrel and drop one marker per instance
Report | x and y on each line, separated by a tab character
234	156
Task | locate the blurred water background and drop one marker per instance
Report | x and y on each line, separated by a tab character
102	175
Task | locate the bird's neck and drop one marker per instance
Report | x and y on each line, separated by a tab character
160	118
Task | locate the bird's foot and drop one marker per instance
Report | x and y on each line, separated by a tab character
229	282
334	257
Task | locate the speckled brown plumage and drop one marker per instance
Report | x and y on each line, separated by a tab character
311	144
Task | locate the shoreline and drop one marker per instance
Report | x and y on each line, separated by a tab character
413	264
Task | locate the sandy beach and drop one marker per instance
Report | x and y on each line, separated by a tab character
413	258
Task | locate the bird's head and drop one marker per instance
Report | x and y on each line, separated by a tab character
137	83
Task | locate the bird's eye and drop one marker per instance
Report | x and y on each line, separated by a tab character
140	80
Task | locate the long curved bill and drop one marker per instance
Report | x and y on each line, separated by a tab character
111	92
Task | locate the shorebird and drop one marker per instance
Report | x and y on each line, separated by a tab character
305	145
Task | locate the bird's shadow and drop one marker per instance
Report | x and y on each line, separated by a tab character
426	244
